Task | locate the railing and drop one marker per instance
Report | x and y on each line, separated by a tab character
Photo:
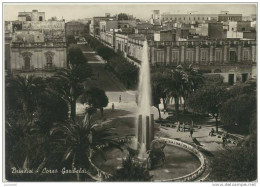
102	175
194	175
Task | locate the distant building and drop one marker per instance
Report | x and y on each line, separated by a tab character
94	27
74	28
189	18
165	35
156	17
39	46
229	17
31	16
216	31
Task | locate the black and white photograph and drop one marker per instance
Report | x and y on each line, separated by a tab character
129	92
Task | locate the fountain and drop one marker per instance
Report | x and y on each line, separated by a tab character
145	120
148	150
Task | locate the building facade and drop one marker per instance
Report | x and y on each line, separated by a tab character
39	47
74	28
234	59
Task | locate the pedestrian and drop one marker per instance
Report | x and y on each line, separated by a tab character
183	127
224	140
178	126
211	133
136	99
120	99
113	107
191	132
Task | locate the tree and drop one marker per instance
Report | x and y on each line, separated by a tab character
96	98
76	57
122	16
156	97
68	83
235	164
71	40
208	99
25	90
80	140
50	109
175	86
131	171
236	112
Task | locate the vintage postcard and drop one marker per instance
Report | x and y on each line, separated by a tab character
162	92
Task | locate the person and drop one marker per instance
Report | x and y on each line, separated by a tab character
113	107
178	126
191	132
120	99
211	133
183	127
224	140
136	99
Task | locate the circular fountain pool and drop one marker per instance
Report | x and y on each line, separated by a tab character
178	162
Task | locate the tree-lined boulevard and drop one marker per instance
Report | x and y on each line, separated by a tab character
59	121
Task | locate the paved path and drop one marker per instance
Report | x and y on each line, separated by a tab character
128	103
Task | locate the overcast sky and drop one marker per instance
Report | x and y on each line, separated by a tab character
143	11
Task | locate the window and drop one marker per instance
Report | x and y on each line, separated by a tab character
232	56
245	55
40	18
202	18
189	56
218	57
175	56
198	18
189	18
27	62
49	61
160	56
183	18
194	18
203	56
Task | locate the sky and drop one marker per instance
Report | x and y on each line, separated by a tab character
71	11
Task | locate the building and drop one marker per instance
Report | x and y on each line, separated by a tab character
94	28
156	17
189	18
234	59
31	16
74	28
229	17
165	35
39	47
216	30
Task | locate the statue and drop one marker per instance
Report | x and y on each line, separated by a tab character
156	156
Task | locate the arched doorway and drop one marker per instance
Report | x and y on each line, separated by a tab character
27	63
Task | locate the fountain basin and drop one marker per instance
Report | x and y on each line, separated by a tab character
183	162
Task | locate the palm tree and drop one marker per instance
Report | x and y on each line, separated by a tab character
193	79
81	139
26	90
68	84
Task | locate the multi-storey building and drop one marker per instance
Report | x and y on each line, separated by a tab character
234	59
189	18
229	17
94	27
39	47
74	28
